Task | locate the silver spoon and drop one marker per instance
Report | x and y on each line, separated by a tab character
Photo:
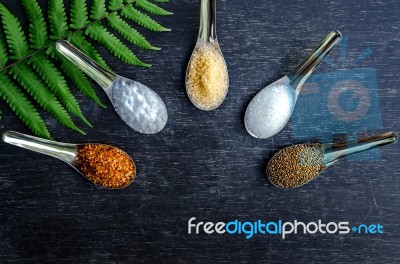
137	105
63	151
207	42
270	110
304	166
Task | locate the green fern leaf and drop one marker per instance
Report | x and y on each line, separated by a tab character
3	52
98	9
36	72
58	19
22	107
79	41
152	8
113	44
77	77
28	79
79	14
56	82
129	33
115	4
142	19
37	25
14	35
162	1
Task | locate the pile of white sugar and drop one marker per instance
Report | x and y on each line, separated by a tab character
270	109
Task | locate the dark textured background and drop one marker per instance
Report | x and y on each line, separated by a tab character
204	164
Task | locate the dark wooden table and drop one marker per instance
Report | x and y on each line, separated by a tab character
205	165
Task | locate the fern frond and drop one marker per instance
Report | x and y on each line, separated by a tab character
162	1
77	77
37	25
98	9
36	72
22	107
152	8
115	4
113	44
3	52
79	14
142	19
58	19
128	32
15	37
56	82
79	41
28	79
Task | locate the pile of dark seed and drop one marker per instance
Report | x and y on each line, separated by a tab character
296	165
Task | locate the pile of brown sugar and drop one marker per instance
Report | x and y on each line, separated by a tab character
296	165
207	79
105	165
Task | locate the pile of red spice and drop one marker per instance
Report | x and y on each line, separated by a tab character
105	165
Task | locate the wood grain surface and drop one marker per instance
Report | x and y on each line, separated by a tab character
205	164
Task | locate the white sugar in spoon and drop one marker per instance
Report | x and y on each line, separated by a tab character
270	110
137	105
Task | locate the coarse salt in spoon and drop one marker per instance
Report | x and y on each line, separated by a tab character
299	164
270	110
137	105
103	165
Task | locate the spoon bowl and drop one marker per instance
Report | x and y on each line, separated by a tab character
66	152
265	122
270	110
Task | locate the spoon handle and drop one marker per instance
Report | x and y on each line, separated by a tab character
333	152
98	73
62	151
208	21
299	75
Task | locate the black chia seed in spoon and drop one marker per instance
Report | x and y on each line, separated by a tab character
296	165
